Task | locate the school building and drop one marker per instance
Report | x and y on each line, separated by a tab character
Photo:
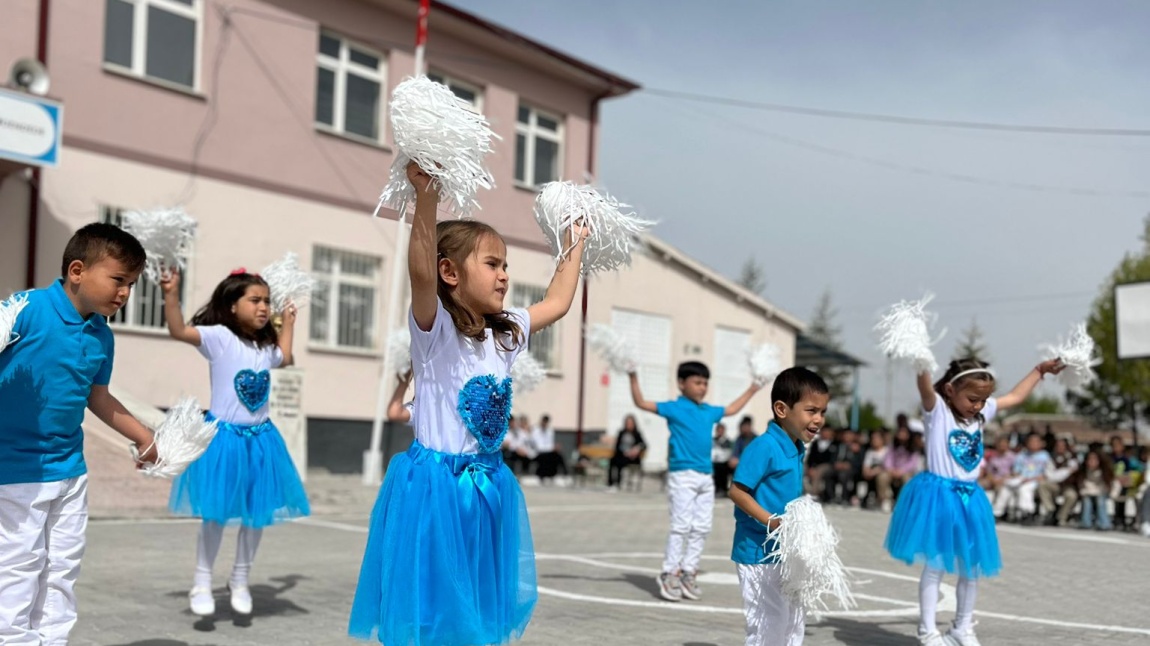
267	121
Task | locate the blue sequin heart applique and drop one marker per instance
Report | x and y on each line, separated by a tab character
253	388
485	405
965	448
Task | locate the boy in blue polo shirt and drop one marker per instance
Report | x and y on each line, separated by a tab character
58	363
770	475
690	487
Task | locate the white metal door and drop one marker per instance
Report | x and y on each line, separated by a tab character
650	335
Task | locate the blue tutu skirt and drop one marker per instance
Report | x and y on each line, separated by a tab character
946	525
244	477
449	559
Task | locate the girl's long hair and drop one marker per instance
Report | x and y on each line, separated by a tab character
962	365
218	311
1104	465
457	240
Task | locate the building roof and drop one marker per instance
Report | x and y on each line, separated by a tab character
656	247
811	353
612	84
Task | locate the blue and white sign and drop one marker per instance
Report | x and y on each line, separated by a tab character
30	128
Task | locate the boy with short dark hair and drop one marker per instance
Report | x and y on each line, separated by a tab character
770	475
58	363
690	487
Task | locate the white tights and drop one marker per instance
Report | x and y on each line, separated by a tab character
928	587
208	546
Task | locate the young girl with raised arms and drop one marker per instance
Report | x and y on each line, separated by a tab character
449	558
943	519
245	476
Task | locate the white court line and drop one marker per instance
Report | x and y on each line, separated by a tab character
1068	536
909	610
331	524
565	508
1064	624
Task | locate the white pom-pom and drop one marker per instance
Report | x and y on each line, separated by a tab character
9	310
181	439
440	132
527	373
809	567
166	235
613	231
399	351
614	349
288	283
766	363
905	334
1080	356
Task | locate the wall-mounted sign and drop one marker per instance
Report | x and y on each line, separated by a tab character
30	128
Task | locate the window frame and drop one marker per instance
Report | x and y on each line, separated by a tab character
334	279
531	130
340	68
453	81
139	66
525	295
109	215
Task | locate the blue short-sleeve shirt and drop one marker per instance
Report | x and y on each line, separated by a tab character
690	424
771	467
46	377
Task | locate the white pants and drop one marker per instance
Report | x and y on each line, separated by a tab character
42	528
1015	488
692	496
772	619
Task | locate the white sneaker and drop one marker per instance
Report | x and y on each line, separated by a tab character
241	599
886	506
669	587
963	637
933	638
1145	529
202	601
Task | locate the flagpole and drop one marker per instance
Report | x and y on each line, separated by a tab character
373	456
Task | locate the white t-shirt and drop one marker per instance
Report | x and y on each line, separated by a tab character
954	450
241	381
543	438
445	362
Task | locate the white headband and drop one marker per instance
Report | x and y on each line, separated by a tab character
971	372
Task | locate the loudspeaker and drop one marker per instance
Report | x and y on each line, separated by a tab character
29	75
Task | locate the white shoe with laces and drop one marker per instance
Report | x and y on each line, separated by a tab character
202	601
933	638
241	598
966	637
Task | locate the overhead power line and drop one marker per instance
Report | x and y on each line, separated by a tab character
900	120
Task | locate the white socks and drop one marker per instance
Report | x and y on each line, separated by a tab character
208	546
928	587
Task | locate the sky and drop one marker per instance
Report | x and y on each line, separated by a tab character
873	211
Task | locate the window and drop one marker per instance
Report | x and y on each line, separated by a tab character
461	89
154	39
343	305
729	376
348	88
145	306
543	344
538	143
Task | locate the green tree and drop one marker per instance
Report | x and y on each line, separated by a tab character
1041	405
1107	400
972	344
824	330
753	276
869	417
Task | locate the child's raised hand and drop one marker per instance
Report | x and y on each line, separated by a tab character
289	314
1051	367
170	281
422	182
578	231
